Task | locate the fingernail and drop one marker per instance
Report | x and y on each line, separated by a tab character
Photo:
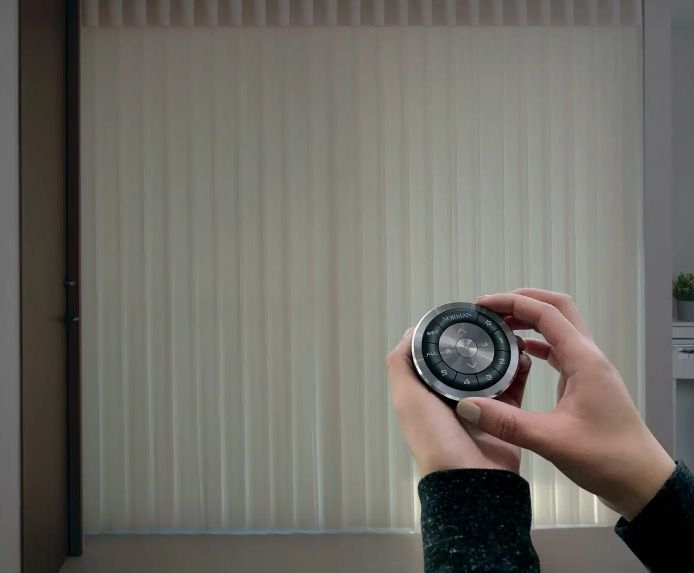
408	331
468	411
482	296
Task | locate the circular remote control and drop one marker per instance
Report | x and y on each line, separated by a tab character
462	349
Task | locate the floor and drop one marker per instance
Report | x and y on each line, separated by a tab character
560	550
248	553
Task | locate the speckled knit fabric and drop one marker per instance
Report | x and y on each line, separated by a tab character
479	520
662	535
476	520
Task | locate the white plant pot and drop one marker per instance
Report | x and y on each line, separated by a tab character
685	310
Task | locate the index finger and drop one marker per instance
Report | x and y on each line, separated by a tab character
562	301
543	317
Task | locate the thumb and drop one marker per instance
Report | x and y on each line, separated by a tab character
505	421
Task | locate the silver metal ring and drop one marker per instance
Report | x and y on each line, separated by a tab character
440	387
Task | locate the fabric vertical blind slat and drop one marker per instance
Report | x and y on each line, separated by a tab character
264	213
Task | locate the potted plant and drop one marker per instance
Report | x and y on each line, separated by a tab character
683	291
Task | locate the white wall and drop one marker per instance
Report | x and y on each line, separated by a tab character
9	292
683	122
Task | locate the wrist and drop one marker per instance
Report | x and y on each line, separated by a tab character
644	476
457	456
425	469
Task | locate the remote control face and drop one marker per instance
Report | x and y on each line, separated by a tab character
462	349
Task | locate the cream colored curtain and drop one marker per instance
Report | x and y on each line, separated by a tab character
265	210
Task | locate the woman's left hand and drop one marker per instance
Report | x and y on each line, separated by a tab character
437	438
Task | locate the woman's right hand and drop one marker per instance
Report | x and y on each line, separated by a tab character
595	434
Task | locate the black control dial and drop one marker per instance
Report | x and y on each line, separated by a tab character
462	349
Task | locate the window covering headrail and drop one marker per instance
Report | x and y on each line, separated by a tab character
204	13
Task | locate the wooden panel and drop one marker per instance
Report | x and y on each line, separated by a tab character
44	390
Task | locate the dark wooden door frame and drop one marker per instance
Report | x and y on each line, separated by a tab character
49	39
72	275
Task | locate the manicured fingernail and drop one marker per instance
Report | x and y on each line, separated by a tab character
468	411
408	331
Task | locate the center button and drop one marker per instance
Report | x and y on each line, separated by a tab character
466	347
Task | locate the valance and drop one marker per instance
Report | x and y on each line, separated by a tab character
203	13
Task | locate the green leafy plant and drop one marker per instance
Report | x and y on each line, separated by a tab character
683	286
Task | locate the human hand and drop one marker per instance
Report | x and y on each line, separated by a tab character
595	434
436	437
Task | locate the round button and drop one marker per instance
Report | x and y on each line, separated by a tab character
501	361
500	341
466	347
486	323
432	354
432	333
445	373
466	382
445	319
478	352
488	378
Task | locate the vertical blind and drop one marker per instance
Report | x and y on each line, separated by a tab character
266	209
